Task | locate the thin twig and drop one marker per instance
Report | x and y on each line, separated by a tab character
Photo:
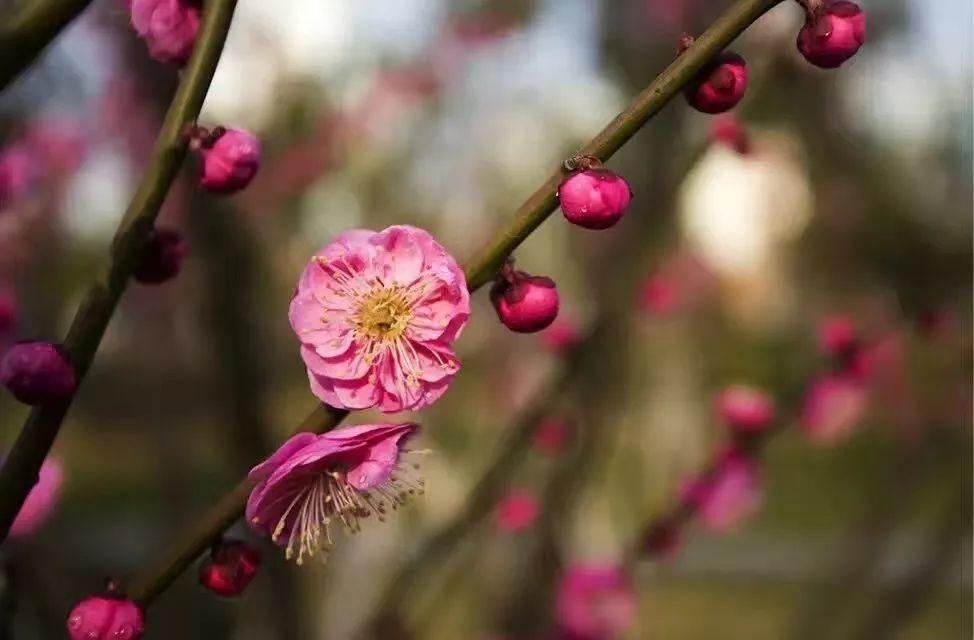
28	32
19	472
481	269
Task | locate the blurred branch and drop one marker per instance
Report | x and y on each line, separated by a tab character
19	472
29	30
896	608
231	270
486	493
482	267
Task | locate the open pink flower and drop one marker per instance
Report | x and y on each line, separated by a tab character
834	406
595	602
40	501
377	314
730	495
342	476
516	512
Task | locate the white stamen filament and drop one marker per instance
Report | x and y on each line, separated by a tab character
328	497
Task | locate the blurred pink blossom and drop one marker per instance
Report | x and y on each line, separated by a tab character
516	512
377	315
40	501
58	144
659	295
18	169
595	602
560	336
745	409
727	129
833	407
343	476
727	497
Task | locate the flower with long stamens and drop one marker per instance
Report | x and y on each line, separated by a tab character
339	478
377	314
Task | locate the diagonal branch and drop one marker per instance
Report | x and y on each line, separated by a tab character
29	30
19	472
481	269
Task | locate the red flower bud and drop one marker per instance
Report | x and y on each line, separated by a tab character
832	34
525	303
720	86
230	568
37	373
231	158
594	198
745	409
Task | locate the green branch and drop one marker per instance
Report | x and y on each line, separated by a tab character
480	270
28	31
19	472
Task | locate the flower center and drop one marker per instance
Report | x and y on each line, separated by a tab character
383	314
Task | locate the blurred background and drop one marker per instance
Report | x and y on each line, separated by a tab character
853	200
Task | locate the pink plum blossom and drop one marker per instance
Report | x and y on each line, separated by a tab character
745	409
342	476
837	335
377	314
41	500
727	496
516	512
58	144
595	602
833	407
660	295
169	27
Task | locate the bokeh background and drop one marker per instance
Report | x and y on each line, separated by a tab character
854	200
